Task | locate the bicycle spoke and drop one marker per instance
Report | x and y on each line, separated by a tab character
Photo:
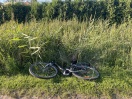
84	72
43	70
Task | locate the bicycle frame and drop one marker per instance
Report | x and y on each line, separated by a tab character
65	71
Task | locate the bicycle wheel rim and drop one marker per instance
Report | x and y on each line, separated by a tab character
43	70
85	72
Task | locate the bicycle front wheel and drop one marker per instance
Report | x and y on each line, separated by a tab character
43	70
84	72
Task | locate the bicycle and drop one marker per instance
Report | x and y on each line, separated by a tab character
50	70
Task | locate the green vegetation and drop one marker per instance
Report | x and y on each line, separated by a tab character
113	81
117	11
99	31
106	47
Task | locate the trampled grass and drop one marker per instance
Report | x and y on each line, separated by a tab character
108	48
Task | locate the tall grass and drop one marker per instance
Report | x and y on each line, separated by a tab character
96	42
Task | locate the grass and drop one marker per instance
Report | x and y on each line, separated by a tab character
112	81
108	48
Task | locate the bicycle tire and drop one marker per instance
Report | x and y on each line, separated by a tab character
84	72
43	70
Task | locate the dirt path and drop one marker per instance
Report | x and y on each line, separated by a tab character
8	97
5	97
70	97
56	97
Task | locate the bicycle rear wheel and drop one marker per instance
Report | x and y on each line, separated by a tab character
84	72
43	70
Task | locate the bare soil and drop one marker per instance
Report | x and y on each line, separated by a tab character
58	97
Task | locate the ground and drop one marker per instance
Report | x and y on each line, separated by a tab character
58	97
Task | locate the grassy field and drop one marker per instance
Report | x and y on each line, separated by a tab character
108	48
115	81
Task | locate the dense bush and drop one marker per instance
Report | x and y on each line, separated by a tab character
1	16
115	11
21	12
